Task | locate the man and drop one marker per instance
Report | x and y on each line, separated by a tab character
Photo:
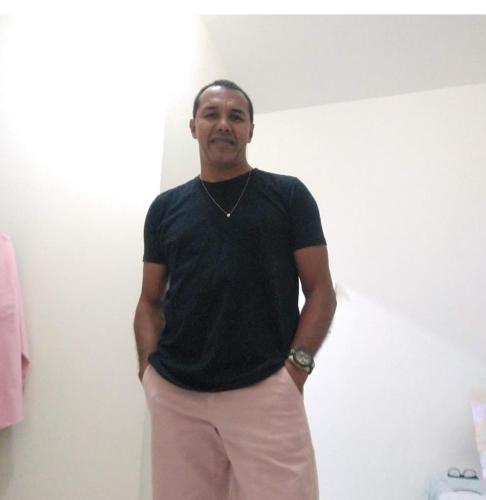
218	316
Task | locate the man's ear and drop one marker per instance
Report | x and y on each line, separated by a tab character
251	132
192	126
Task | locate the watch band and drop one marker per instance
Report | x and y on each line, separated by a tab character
301	368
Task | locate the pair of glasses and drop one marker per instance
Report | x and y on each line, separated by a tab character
466	473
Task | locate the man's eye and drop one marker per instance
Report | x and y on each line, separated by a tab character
237	118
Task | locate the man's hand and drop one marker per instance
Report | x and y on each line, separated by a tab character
298	376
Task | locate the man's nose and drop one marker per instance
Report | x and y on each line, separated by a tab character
223	124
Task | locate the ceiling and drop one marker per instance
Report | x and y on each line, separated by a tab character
286	62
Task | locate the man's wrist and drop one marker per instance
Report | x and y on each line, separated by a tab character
300	368
142	368
301	359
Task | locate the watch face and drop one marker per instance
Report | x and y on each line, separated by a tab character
303	358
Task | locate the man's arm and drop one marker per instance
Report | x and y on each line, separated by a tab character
320	303
149	315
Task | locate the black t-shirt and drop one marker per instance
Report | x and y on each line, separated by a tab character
231	305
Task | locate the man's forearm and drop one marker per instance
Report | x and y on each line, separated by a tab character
148	323
315	320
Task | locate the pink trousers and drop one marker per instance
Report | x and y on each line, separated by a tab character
252	443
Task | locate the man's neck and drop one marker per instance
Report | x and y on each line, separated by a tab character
211	173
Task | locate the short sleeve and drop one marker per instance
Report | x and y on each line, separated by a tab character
153	251
306	227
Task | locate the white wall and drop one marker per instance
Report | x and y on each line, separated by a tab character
181	154
82	103
401	184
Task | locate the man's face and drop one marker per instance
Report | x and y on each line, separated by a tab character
222	127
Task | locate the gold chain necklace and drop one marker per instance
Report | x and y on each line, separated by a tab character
228	214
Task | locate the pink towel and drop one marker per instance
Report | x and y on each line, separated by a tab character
14	357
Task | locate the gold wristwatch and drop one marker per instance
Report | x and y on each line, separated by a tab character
301	359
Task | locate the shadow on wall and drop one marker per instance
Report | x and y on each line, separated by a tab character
420	259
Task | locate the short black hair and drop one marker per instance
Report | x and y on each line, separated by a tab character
222	83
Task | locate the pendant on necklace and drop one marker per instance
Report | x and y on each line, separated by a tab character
228	215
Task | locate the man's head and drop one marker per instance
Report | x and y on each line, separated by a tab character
226	84
222	123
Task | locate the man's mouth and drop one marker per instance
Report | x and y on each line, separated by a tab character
221	140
